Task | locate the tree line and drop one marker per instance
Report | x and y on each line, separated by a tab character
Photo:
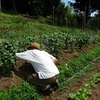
75	14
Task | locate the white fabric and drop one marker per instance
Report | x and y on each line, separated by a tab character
41	61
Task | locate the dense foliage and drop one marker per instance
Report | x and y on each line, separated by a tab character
23	92
53	42
32	7
85	8
26	91
78	66
53	39
84	93
54	12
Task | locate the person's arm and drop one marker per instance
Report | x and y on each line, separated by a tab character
21	55
52	57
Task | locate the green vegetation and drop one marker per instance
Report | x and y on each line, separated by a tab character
78	66
53	43
83	93
14	38
75	14
25	89
17	32
23	92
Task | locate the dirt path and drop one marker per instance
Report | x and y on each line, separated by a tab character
75	85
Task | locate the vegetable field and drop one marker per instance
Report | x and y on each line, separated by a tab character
78	53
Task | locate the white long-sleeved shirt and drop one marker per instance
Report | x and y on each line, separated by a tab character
41	61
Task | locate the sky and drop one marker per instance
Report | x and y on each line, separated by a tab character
66	1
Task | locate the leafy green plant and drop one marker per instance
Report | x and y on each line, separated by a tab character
79	64
7	57
25	91
83	93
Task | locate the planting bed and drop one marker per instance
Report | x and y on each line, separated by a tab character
78	53
23	69
76	85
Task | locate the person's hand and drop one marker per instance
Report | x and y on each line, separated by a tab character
55	61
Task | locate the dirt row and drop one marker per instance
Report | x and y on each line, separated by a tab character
77	84
22	69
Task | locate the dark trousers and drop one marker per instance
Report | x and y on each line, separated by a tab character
34	79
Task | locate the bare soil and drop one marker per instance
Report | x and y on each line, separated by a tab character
76	85
22	69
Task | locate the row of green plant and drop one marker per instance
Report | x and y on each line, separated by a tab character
7	57
24	91
84	93
80	64
54	43
18	27
57	41
27	92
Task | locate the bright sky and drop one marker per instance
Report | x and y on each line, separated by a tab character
66	1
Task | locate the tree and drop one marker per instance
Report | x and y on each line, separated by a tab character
35	7
82	5
60	14
86	6
48	6
9	5
68	15
14	5
98	15
0	5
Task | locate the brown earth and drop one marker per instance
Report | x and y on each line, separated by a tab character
76	85
23	69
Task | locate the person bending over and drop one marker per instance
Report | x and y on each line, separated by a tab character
44	64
